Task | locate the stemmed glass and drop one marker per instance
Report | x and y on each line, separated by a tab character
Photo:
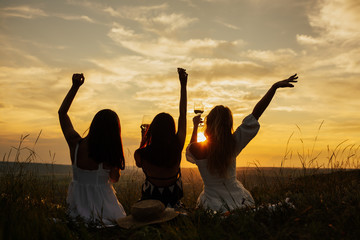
198	110
145	124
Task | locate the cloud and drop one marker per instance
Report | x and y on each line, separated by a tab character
30	12
338	19
75	18
309	40
331	55
135	12
17	57
287	108
152	18
335	22
166	23
163	47
119	33
22	12
228	25
277	56
213	68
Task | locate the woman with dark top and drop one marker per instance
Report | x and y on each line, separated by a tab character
159	154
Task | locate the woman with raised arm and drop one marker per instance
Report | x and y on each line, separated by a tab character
216	156
159	154
97	160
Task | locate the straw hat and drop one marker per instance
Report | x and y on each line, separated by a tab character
147	212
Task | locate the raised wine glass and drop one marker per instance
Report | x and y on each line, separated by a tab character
198	110
145	124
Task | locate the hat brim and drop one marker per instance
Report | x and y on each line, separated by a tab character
130	222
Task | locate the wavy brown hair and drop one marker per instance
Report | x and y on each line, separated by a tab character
105	143
218	132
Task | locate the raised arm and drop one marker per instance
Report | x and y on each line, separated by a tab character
182	107
67	128
196	121
265	101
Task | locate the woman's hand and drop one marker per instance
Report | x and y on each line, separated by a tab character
265	101
144	128
197	120
286	82
114	174
78	79
182	76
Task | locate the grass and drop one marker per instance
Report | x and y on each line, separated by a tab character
327	203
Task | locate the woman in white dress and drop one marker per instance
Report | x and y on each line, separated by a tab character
97	160
216	156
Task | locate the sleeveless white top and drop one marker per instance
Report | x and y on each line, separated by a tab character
92	196
224	194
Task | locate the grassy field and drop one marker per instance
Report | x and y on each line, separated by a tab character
327	204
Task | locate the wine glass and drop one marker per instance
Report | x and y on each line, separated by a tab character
198	110
145	124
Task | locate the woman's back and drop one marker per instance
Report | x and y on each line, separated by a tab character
83	160
160	175
85	169
90	194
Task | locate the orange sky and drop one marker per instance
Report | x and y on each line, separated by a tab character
233	51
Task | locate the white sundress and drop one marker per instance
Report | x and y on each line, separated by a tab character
92	196
224	194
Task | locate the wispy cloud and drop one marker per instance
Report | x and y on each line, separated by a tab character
337	20
268	56
135	12
153	18
72	18
28	12
309	40
166	23
228	25
336	23
287	108
164	47
23	11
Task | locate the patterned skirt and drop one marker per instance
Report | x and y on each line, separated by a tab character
169	195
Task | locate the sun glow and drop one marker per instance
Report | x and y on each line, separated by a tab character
201	137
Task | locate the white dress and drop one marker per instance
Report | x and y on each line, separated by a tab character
92	196
224	194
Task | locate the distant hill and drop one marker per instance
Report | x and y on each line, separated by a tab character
66	170
40	168
44	168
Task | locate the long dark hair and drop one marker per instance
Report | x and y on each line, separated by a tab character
219	127
161	146
105	143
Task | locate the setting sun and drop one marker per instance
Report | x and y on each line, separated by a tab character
201	137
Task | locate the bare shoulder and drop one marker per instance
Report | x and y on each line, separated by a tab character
74	141
199	150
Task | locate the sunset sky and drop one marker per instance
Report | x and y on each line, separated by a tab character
233	50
